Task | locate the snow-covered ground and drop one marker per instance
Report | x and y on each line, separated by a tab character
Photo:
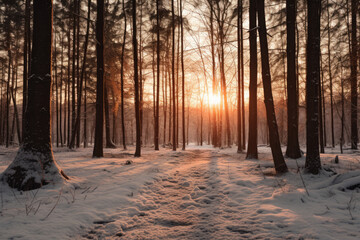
200	193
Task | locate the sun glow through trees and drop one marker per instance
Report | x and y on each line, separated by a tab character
214	99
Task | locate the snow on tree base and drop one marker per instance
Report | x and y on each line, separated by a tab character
32	170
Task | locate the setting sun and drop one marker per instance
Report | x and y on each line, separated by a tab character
214	99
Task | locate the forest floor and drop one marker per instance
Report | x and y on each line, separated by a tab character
200	193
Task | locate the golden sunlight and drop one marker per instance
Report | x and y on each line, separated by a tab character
214	99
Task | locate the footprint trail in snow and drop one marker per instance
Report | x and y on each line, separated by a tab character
190	202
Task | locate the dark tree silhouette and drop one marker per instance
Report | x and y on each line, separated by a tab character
73	70
99	124
136	83
313	164
353	77
173	77
293	148
240	75
157	104
122	79
252	141
330	76
34	164
182	75
108	142
215	137
26	58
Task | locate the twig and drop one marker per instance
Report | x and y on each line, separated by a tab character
54	205
34	195
302	178
37	208
87	189
93	189
29	207
255	28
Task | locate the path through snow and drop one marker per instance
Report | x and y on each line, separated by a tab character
200	193
194	201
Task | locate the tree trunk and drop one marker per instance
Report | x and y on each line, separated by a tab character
8	98
56	90
154	73
353	77
136	83
85	112
293	148
220	111
323	104
61	85
8	46
65	109
122	80
114	116
239	64
182	76
177	81
165	101
252	141
34	164
187	124
26	48
78	89
321	130
68	86
330	77
156	134
170	105
342	115
1	105
73	90
313	164
173	78
215	137
141	88
201	122
98	145
108	142
242	75
223	80
16	113
278	158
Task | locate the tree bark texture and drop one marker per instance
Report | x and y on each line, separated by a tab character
313	164
252	141
353	77
99	121
34	164
136	83
293	148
